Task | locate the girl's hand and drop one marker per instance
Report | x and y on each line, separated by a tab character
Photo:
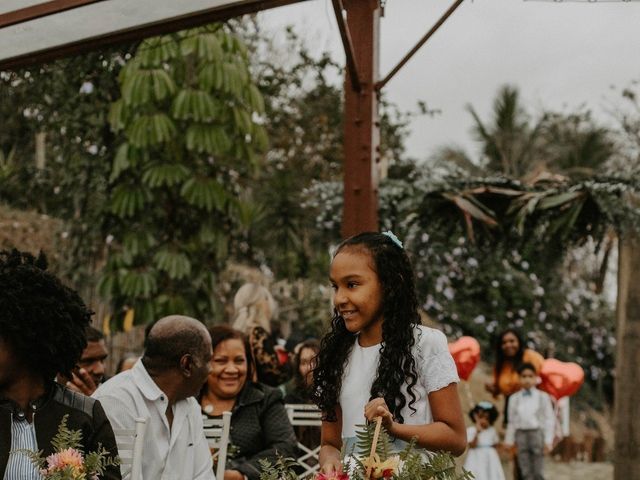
233	475
479	427
331	465
378	408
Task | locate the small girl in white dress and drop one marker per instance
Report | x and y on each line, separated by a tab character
483	460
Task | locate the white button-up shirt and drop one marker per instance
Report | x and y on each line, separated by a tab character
177	453
530	410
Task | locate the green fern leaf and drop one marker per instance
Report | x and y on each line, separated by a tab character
155	51
150	130
205	193
166	174
197	105
175	264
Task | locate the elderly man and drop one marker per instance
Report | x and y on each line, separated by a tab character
161	387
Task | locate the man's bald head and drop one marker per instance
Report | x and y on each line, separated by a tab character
172	337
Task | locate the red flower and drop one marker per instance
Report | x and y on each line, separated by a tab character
332	476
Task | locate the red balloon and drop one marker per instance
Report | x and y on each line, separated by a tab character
466	353
560	379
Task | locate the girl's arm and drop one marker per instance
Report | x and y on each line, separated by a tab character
474	442
331	443
447	432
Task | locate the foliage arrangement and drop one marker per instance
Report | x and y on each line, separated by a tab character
190	117
410	463
69	462
493	252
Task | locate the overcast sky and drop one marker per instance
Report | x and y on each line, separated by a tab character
560	55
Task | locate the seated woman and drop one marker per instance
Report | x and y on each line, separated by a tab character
298	389
260	427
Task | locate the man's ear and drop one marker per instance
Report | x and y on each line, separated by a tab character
186	364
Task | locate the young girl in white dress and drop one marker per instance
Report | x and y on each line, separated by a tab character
378	360
483	460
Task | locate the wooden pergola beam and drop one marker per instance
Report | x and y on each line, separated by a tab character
420	43
41	10
361	124
132	34
347	43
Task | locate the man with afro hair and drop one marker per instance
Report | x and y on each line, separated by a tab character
42	333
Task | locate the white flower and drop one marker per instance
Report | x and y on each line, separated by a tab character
479	319
86	88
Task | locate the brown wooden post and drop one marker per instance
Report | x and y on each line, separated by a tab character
361	126
626	418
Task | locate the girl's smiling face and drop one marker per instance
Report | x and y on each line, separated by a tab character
358	294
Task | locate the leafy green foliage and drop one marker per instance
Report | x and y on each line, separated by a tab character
411	463
93	463
190	142
510	254
66	104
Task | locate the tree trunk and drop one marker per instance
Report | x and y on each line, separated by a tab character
627	411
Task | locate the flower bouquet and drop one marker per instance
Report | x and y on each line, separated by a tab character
69	462
383	462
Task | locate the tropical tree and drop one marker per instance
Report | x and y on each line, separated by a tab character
57	112
517	145
190	119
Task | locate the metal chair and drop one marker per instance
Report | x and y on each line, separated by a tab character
308	416
216	431
130	442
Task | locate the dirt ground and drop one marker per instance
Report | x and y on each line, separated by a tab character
578	471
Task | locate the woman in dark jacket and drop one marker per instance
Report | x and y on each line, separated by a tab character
260	427
42	333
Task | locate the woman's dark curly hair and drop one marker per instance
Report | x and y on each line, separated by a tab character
298	379
42	321
500	358
400	313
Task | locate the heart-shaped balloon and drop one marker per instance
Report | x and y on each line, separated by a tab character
560	379
466	353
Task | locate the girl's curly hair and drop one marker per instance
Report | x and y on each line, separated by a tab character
43	322
400	313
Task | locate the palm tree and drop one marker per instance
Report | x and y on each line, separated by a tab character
517	146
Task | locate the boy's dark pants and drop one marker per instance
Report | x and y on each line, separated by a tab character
530	445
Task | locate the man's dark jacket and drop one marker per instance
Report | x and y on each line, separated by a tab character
84	414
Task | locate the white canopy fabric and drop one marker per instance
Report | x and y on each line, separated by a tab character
96	22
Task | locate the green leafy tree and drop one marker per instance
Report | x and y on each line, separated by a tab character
190	118
66	102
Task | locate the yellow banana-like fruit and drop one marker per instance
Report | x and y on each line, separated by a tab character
106	325
128	320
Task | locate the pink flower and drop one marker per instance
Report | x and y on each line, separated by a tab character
69	457
332	476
